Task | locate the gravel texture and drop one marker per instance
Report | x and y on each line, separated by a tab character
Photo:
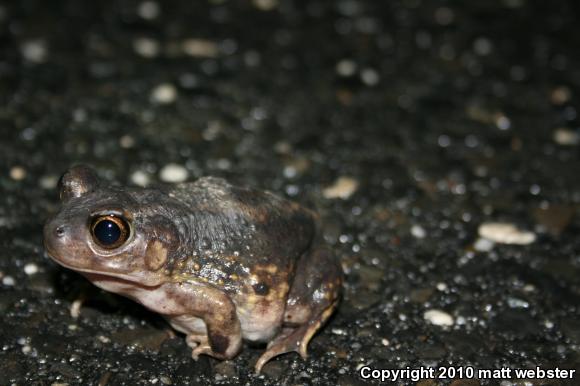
407	124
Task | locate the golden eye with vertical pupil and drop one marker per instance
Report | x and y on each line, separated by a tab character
110	231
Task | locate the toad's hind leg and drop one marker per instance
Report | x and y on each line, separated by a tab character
312	299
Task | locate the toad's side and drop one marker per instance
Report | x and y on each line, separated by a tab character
220	262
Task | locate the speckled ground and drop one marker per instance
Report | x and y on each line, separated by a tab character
408	124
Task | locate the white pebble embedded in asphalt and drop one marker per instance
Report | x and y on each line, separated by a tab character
444	16
439	318
34	50
517	303
566	137
505	233
346	67
560	95
343	187
265	5
8	281
200	48
173	173
441	286
483	245
127	141
17	173
30	269
418	231
146	47
164	94
370	77
149	10
140	178
48	182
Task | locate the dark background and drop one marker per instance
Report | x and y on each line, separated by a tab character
445	115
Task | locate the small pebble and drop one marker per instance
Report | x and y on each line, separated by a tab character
502	122
338	331
418	232
127	141
370	77
385	342
346	68
173	173
146	47
149	10
566	137
283	147
103	339
483	245
34	50
505	233
560	95
164	94
80	115
48	182
482	46
17	173
28	134
200	48
441	286
75	308
140	178
8	281
265	5
343	188
438	317
444	16
517	303
30	269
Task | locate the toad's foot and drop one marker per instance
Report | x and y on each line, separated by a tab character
294	339
201	345
195	340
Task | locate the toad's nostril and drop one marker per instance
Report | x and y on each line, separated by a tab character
60	231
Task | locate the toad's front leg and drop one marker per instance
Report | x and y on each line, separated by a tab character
222	337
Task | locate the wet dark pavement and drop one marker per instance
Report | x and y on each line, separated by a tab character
407	124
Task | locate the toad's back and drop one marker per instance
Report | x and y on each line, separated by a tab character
236	232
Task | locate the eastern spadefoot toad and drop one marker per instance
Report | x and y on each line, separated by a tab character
222	263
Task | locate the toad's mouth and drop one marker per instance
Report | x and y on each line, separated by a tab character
105	281
142	279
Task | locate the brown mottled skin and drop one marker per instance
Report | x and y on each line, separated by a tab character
220	262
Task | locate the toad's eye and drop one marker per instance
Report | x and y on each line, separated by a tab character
110	231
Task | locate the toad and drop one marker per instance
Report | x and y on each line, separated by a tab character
220	262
